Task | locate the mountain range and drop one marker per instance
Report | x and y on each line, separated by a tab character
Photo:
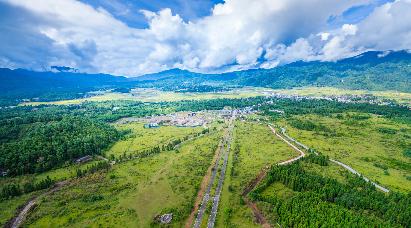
371	70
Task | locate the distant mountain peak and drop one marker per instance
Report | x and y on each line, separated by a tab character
173	70
63	69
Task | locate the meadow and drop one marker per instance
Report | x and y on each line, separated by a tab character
254	148
400	97
372	145
132	193
140	138
10	206
155	95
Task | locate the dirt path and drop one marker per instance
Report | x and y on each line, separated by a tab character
260	219
18	220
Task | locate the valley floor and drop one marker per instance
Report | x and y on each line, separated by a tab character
242	169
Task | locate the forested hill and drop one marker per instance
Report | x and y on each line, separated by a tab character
369	71
19	84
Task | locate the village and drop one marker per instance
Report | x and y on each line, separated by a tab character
188	119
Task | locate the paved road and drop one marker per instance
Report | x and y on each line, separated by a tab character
302	154
216	199
292	139
257	213
206	196
359	174
283	130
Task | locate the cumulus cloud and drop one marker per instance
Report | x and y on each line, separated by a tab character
239	34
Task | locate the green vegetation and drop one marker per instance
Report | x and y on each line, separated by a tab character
41	146
141	139
325	201
139	173
134	192
360	143
255	147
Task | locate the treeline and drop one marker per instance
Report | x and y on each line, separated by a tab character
41	146
312	126
157	149
293	107
318	159
110	111
35	139
101	165
14	189
326	202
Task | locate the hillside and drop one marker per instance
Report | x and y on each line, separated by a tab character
368	71
25	84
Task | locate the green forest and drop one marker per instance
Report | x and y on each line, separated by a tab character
321	201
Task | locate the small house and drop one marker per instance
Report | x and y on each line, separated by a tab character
151	125
84	159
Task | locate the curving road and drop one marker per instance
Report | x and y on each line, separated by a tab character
359	174
22	214
283	130
257	213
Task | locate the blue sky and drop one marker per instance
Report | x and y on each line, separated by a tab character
134	37
128	10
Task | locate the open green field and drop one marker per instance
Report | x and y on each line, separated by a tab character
154	95
254	148
400	97
372	145
141	138
10	206
131	194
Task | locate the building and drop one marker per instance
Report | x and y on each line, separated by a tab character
84	159
151	125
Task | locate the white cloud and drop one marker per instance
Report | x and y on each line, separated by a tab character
239	34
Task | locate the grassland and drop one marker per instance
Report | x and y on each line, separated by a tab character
372	145
400	97
154	95
131	194
141	138
257	148
10	206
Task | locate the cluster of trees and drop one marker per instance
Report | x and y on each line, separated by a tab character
14	189
158	149
293	107
101	165
40	146
35	139
319	159
312	126
322	200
